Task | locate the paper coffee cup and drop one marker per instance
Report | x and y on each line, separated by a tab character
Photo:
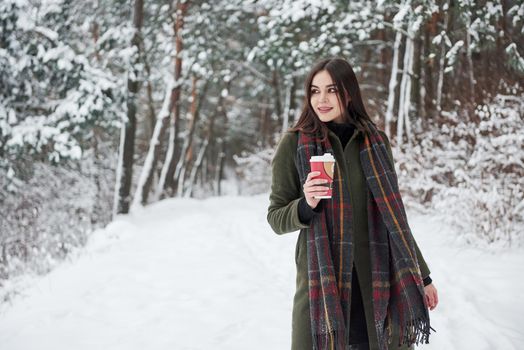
325	164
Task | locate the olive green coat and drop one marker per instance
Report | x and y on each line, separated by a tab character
286	191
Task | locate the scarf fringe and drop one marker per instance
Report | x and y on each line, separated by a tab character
329	341
415	331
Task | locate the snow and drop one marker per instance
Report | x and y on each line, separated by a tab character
401	14
210	274
451	55
512	51
49	33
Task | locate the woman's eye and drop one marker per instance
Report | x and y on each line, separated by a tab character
330	90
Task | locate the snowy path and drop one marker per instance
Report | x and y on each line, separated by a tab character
188	274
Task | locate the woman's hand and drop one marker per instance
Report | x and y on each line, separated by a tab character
312	189
431	296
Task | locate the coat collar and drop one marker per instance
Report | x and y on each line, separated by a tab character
333	136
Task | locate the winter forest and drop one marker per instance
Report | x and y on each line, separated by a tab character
110	107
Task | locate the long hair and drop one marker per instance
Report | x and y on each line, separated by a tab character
353	109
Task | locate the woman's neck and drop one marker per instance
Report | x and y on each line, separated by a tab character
335	124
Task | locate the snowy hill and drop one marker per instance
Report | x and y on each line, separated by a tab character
191	274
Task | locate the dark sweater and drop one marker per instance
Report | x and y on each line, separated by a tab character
358	329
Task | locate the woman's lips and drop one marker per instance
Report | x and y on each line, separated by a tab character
324	109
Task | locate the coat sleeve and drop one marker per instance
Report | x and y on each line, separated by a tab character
424	269
286	189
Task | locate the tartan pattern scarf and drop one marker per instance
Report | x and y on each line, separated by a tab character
397	287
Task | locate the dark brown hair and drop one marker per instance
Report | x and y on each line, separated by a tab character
353	109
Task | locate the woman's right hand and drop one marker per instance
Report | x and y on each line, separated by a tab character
312	188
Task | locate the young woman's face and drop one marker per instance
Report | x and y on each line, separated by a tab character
324	98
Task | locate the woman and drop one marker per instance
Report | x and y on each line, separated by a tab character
362	282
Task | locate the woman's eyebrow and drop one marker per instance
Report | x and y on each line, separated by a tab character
330	85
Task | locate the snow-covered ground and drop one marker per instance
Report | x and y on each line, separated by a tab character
210	274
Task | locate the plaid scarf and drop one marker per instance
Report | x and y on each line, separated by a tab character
397	288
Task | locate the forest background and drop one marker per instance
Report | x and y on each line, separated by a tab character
106	106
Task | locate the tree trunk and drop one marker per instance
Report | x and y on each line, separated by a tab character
502	26
128	144
293	100
220	166
418	90
402	98
168	180
471	78
204	172
429	65
203	149
368	54
393	81
196	168
221	156
403	120
264	124
440	83
97	208
276	91
148	170
385	58
287	106
442	61
95	32
150	102
409	79
165	167
187	153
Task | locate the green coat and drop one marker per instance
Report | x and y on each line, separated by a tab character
286	192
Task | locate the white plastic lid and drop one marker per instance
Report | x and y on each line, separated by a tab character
327	157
